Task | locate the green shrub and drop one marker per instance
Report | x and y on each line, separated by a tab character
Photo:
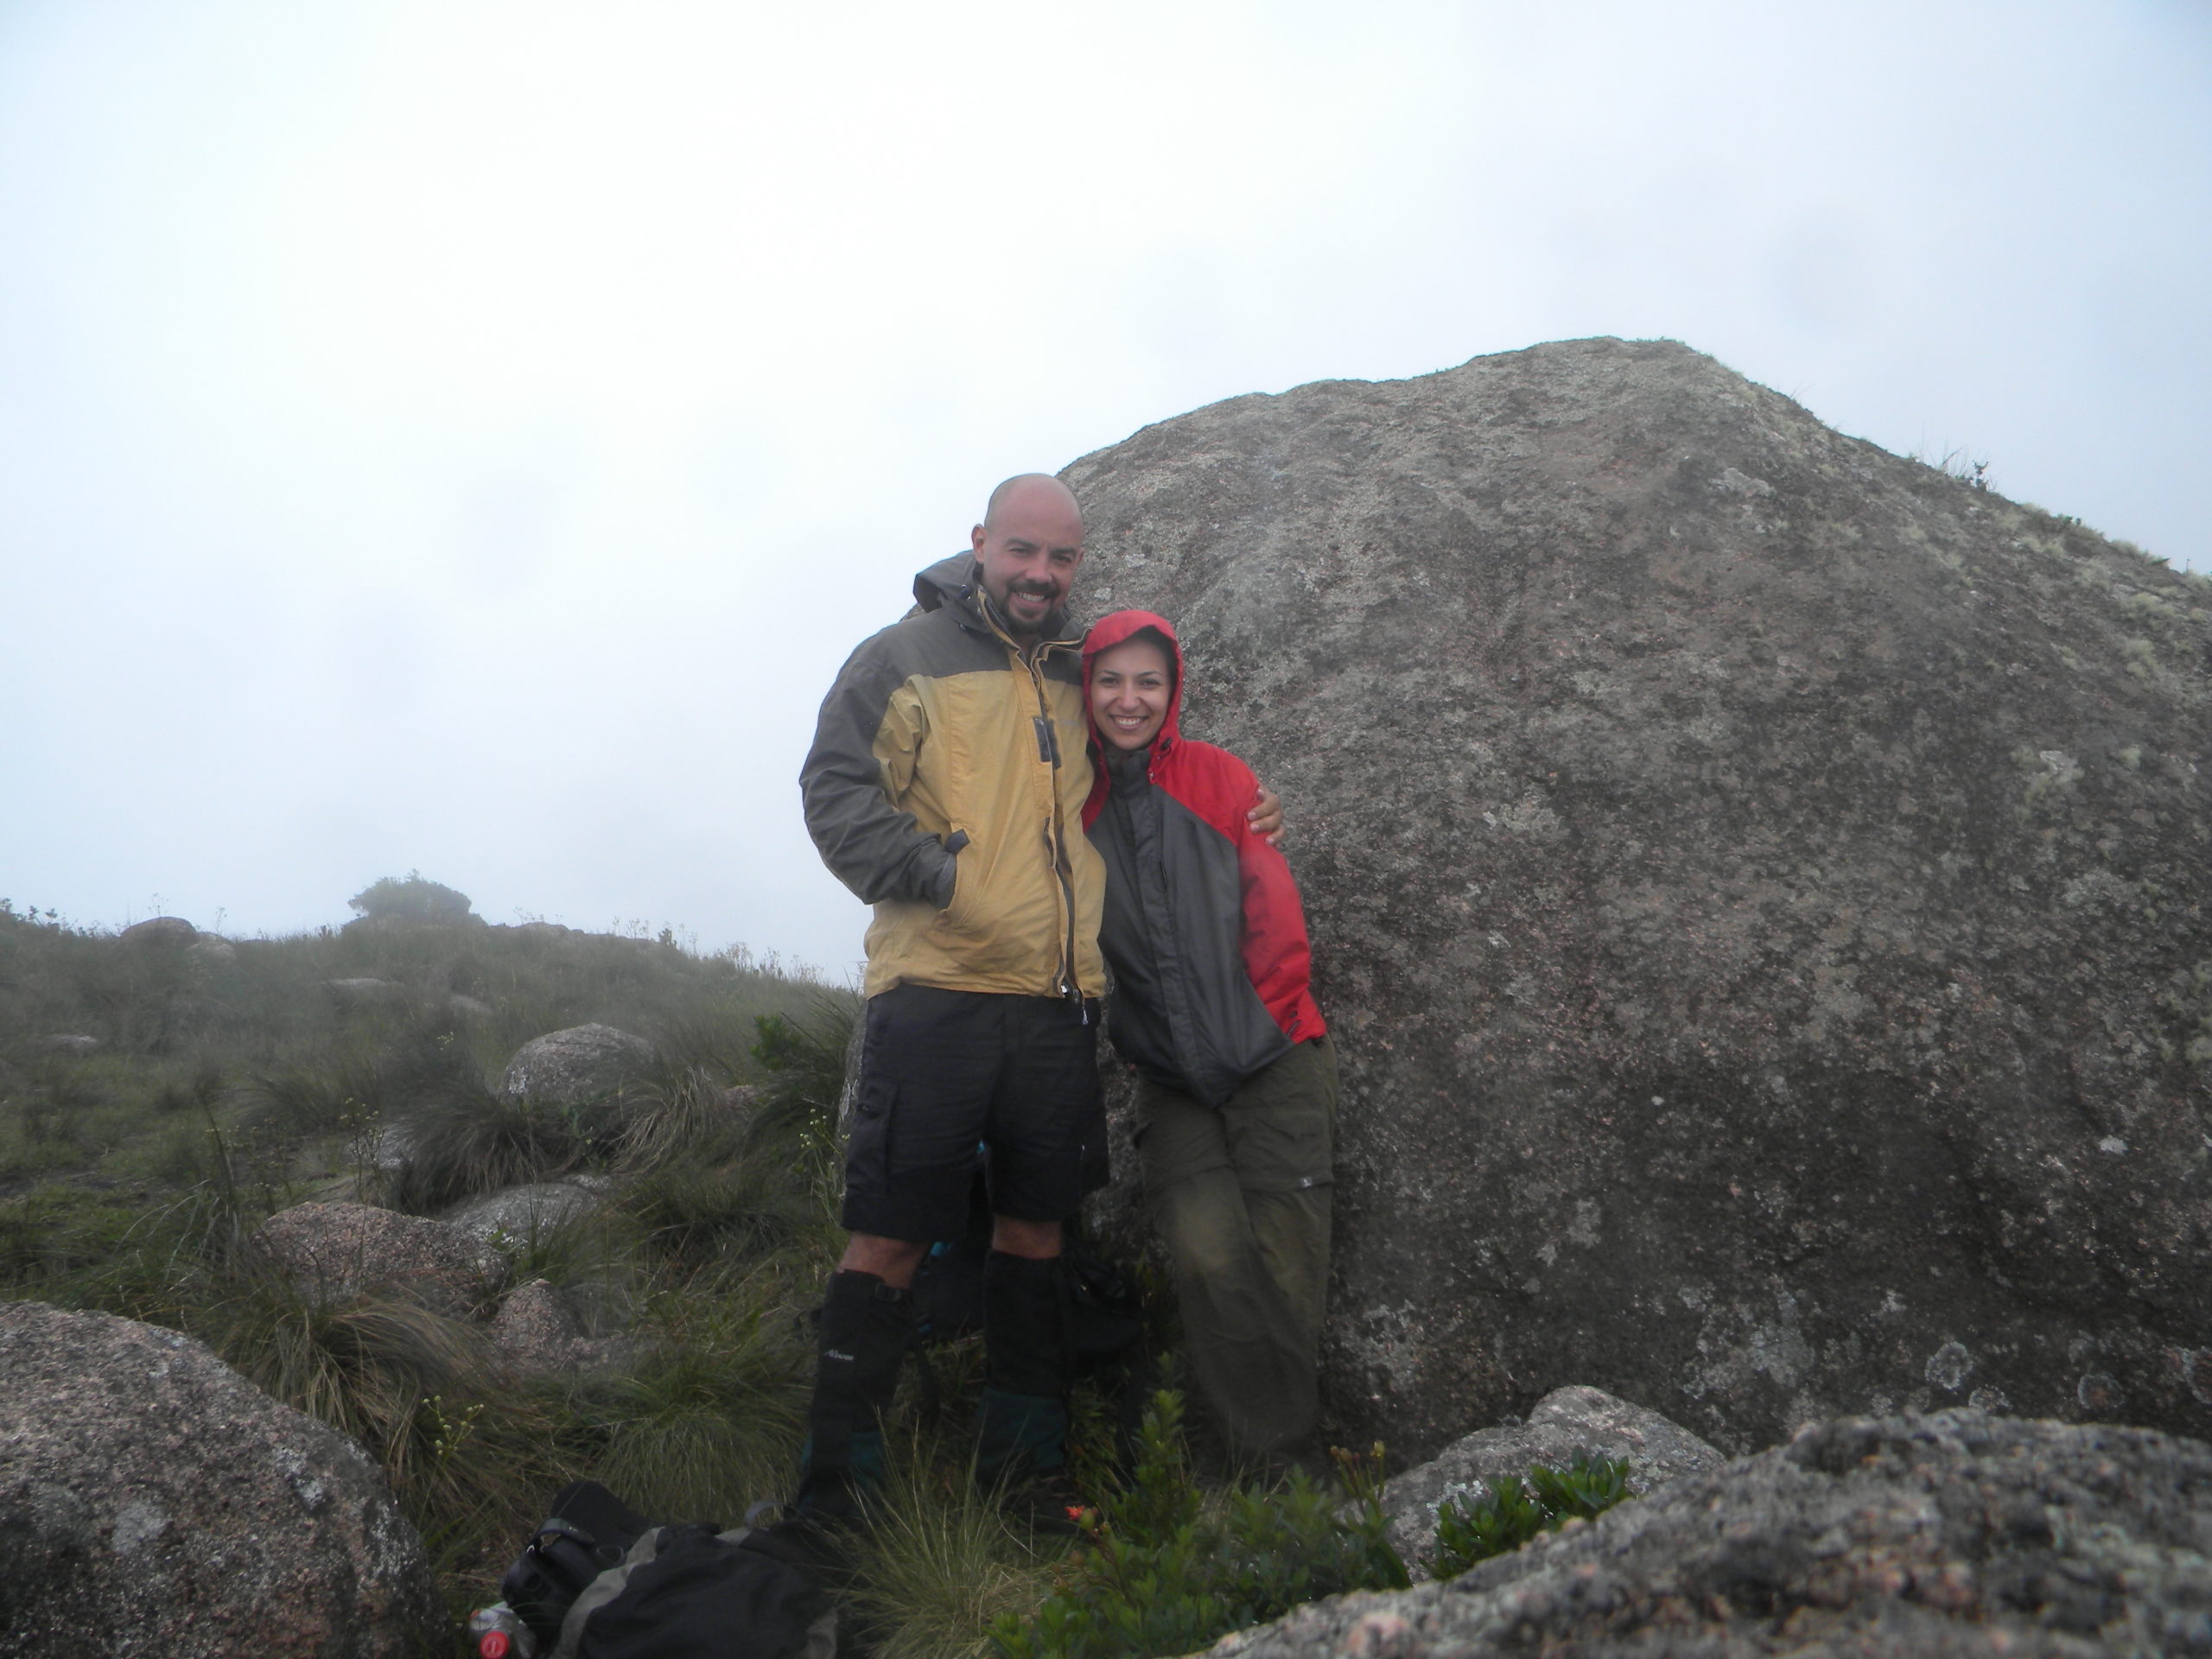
689	1216
707	1419
1164	1572
1514	1510
804	1060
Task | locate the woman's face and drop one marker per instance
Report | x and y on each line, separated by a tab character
1130	688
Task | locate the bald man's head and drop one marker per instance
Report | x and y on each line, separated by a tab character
1027	549
1042	485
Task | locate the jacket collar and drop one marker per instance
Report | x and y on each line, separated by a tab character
955	584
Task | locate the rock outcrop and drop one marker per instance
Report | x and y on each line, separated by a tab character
343	1250
1757	886
152	1500
1567	1424
1956	1534
160	933
579	1066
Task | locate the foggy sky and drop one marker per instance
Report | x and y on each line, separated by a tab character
468	437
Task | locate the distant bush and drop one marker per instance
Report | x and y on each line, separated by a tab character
411	899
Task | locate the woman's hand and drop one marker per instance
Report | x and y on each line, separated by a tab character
1266	816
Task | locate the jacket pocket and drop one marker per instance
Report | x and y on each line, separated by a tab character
957	916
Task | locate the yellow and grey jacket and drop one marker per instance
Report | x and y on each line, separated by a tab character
945	787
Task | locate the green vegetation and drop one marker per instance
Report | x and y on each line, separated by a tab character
1168	1569
1514	1510
160	1100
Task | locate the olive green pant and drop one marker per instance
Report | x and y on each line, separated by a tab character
1241	1198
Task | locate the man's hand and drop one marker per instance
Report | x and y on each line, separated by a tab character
1266	816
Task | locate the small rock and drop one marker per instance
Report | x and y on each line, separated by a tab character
523	1214
68	1042
1566	1423
469	1008
211	951
363	992
535	1330
578	1066
152	1500
160	933
344	1249
393	1148
536	1333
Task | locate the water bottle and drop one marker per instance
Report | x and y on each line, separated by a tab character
500	1633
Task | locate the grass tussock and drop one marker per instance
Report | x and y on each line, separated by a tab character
942	1565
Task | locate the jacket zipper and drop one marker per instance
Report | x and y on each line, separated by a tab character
1048	749
1048	744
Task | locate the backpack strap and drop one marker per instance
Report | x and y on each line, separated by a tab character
603	1590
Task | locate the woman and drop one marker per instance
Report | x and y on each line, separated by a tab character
1236	1091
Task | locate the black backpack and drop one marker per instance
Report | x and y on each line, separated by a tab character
599	1581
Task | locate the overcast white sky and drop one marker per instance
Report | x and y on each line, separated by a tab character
468	437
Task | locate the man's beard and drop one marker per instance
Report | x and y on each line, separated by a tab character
1029	630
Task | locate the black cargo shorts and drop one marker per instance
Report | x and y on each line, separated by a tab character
944	1071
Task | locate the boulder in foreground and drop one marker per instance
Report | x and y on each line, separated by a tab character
1956	1534
152	1500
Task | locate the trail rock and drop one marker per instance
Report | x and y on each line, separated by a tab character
578	1066
344	1249
1567	1423
522	1213
1955	1534
152	1500
1757	886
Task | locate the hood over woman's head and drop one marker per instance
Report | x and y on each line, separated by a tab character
1133	680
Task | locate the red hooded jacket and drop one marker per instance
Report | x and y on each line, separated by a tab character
1203	925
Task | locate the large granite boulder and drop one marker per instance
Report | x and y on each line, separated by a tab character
152	1500
582	1065
1956	1534
1567	1423
339	1251
1757	886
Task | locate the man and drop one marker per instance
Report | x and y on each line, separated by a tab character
946	787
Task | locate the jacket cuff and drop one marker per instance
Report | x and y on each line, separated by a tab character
939	869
